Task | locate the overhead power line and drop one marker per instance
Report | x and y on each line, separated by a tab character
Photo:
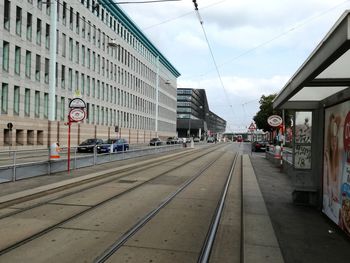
212	55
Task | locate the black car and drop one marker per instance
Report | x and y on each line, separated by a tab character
89	145
155	142
259	146
119	145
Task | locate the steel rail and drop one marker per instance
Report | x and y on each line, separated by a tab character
210	238
48	229
128	170
134	229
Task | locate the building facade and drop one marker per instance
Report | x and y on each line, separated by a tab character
194	119
101	56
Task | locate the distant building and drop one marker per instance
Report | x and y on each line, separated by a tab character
127	84
194	119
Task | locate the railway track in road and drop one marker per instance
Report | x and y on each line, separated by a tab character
104	177
78	208
210	237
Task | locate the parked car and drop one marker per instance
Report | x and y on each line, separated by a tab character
196	139
211	140
188	140
239	139
259	146
155	142
88	145
172	140
118	145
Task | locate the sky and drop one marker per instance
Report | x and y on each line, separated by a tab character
241	50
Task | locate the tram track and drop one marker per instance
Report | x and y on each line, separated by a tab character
103	177
88	209
129	233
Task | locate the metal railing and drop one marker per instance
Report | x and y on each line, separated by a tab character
21	164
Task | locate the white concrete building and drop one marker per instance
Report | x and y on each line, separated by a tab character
101	56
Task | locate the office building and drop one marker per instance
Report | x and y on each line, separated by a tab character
101	56
194	118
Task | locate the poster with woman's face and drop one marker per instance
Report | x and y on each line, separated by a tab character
336	166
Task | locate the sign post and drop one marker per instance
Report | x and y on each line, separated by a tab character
76	114
252	129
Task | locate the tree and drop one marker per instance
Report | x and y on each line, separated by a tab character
266	110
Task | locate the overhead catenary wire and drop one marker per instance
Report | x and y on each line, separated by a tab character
212	55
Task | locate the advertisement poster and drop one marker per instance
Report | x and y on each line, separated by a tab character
336	167
302	145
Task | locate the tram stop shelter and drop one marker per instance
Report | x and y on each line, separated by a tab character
318	98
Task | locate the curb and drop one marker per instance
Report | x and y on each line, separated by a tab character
260	244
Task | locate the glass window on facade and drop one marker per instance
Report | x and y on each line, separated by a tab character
77	23
47	67
47	36
92	117
93	87
70	47
76	77
70	79
37	104
98	90
16	97
5	56
46	105
63	76
18	20
4	98
7	13
48	8
28	69
27	102
37	67
88	62
17	60
88	85
93	61
102	115
82	85
64	39
77	52
83	55
63	107
83	26
64	13
29	26
71	12
97	114
38	31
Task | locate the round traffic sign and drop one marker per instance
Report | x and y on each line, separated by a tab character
274	120
77	114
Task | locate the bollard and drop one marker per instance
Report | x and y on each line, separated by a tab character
55	151
277	152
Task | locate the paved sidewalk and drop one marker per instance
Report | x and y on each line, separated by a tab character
304	233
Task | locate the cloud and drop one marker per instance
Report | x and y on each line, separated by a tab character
238	101
257	45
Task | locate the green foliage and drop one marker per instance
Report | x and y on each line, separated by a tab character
266	110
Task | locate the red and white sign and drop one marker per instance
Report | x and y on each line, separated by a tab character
77	114
252	127
274	120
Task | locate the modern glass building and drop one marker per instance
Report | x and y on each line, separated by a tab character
101	56
194	119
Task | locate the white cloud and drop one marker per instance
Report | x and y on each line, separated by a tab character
257	45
